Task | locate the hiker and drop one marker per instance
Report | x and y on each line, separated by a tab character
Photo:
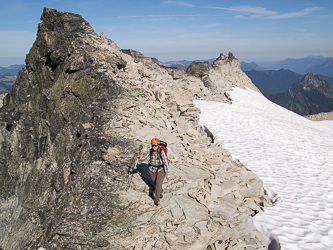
158	167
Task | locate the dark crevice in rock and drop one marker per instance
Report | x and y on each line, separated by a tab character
8	127
72	71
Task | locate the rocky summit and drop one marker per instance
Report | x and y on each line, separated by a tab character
70	130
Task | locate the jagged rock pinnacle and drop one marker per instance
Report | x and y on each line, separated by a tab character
60	21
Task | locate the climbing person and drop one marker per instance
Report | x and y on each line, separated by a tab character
158	167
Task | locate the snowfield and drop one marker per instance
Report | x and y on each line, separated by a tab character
292	155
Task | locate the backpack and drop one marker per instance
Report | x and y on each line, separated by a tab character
163	146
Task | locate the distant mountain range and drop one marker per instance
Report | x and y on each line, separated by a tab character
277	81
6	83
8	77
311	96
317	65
325	68
302	65
273	81
251	66
11	70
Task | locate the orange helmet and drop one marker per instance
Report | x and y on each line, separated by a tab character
155	141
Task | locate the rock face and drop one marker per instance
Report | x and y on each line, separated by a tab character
70	129
311	96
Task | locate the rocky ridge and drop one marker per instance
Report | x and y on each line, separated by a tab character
70	128
321	116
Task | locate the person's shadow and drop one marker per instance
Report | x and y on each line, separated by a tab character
143	170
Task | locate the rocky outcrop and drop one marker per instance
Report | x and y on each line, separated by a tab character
1	98
221	76
321	116
70	129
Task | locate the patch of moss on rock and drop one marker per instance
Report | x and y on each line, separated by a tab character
70	108
82	85
61	143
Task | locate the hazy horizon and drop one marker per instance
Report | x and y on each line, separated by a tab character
259	63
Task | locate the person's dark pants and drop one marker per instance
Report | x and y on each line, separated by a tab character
157	179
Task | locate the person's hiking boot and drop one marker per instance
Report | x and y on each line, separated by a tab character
156	203
161	195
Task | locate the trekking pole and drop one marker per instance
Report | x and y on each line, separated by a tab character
136	163
137	159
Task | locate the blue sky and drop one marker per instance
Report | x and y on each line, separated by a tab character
254	31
